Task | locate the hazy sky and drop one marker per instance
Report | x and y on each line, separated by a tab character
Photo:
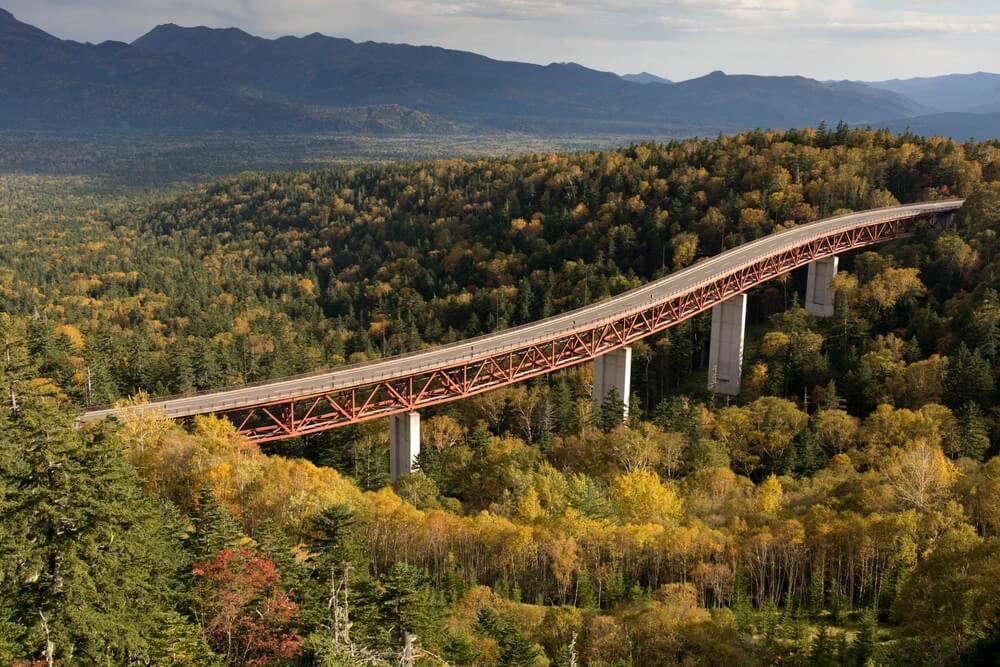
678	39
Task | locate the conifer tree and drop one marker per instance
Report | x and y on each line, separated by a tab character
215	529
96	561
864	644
973	430
821	652
612	411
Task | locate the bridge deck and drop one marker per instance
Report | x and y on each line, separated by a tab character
580	320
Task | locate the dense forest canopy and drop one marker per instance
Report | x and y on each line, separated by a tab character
845	509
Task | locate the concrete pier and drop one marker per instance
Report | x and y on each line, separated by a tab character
725	354
819	293
404	443
613	370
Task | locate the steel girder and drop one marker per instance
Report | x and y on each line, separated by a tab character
303	415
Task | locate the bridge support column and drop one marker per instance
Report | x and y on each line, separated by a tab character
725	353
404	443
613	371
819	293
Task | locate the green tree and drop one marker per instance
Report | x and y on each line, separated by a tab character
214	528
96	561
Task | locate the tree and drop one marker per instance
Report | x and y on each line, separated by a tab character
920	475
641	497
952	596
821	652
969	378
612	411
96	560
248	618
864	644
398	604
974	434
215	529
515	649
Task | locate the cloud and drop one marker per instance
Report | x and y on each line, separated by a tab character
871	39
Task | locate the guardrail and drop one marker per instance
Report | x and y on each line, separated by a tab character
577	322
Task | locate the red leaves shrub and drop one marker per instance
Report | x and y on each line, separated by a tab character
248	618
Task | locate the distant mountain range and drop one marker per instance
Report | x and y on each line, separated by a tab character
176	78
971	93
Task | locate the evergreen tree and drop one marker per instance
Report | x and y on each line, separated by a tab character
96	561
612	411
822	652
564	409
515	649
973	430
215	529
969	378
181	368
985	652
864	644
586	597
178	643
399	603
333	534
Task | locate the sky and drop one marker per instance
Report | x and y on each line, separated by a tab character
677	39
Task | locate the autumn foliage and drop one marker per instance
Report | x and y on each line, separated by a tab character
248	617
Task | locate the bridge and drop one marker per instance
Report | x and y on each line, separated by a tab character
397	387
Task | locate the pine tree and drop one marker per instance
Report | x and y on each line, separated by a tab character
612	411
974	432
333	533
969	378
274	543
863	646
181	368
586	597
564	409
398	604
178	643
821	652
515	649
817	589
215	529
831	399
98	562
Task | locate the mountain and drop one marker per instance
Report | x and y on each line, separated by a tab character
195	78
54	84
955	124
979	92
471	87
645	77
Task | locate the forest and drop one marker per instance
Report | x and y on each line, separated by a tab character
844	510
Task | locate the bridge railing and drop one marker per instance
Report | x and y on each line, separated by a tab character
570	316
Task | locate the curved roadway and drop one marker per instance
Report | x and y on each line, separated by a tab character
581	319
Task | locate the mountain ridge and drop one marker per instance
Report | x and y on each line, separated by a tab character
176	77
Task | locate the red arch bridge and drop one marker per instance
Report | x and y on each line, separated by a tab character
397	387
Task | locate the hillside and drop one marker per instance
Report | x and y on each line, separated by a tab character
176	78
842	510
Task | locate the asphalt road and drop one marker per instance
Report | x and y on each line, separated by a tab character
581	319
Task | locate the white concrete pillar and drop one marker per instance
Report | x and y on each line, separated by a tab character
613	370
404	443
819	293
725	355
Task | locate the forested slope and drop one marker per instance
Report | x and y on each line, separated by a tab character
844	509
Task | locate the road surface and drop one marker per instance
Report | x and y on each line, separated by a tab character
581	319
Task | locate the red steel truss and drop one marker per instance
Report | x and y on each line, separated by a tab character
302	415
